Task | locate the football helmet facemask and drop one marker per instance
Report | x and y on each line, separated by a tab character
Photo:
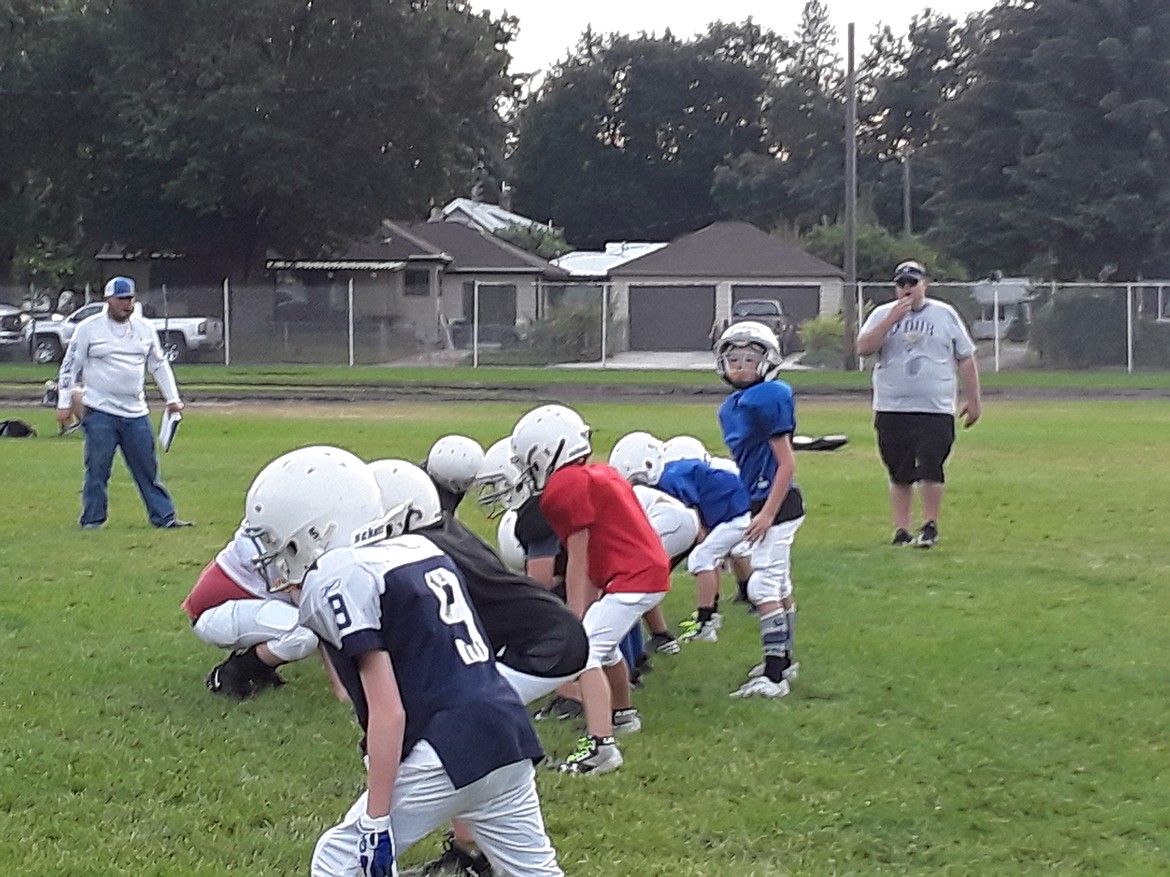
753	336
547	438
304	503
500	486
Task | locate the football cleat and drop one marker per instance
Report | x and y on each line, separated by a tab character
454	862
928	535
626	721
558	708
594	755
664	644
762	686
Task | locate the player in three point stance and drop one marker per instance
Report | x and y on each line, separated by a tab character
445	736
758	421
539	644
616	568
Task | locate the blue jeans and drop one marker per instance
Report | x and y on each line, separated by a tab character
135	436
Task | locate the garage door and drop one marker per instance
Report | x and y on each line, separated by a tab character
671	317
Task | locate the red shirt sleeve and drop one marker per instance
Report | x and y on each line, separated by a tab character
567	501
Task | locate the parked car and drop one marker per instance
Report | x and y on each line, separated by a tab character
771	313
182	337
11	321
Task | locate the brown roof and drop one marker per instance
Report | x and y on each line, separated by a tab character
728	249
469	249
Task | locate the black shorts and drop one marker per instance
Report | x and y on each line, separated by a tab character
913	445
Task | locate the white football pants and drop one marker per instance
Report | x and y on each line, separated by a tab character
241	624
502	811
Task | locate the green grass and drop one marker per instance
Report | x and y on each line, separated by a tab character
993	706
207	378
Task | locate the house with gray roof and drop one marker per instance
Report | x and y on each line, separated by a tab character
423	276
676	297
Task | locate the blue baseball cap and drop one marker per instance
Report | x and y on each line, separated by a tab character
120	287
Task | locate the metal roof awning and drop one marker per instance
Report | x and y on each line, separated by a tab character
331	265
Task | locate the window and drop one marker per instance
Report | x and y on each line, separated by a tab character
416	283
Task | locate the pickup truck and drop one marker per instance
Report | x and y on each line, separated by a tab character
771	313
182	337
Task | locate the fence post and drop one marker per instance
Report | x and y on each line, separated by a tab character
604	321
227	334
859	291
475	324
1129	328
995	320
349	318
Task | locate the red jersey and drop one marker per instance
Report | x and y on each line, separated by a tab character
625	554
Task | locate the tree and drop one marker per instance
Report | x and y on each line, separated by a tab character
232	128
540	240
797	180
902	83
622	140
1057	151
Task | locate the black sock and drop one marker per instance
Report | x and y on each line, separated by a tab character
775	665
705	614
741	588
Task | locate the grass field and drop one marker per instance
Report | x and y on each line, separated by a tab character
993	706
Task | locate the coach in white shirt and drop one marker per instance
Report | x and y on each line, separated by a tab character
108	355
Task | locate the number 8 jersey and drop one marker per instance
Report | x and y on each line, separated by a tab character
404	596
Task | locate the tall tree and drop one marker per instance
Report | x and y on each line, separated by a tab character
236	127
623	139
1058	150
797	179
902	83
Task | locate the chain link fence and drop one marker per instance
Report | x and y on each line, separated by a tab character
351	320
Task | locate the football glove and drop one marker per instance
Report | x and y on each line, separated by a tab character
376	847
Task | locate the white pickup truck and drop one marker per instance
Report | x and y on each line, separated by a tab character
182	337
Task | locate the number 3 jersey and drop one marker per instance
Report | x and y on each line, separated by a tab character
405	597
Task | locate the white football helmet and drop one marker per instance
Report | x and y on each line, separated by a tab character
724	463
408	496
500	486
547	438
753	335
454	461
511	551
638	457
304	503
684	447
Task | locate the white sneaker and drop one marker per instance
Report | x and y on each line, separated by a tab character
762	686
594	755
626	721
790	672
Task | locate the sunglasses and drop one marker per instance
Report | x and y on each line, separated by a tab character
906	282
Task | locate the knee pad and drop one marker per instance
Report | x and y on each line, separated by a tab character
769	585
776	634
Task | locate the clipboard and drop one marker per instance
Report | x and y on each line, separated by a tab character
169	428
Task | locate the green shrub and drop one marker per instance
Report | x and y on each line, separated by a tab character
1080	328
824	341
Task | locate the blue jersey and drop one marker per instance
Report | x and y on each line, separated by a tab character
750	418
716	494
404	596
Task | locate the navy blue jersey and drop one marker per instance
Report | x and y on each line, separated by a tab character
750	419
404	596
716	494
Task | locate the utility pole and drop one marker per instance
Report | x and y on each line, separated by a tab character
849	297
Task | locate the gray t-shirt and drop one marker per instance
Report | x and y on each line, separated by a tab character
916	363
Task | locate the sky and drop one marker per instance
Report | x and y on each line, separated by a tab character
548	28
